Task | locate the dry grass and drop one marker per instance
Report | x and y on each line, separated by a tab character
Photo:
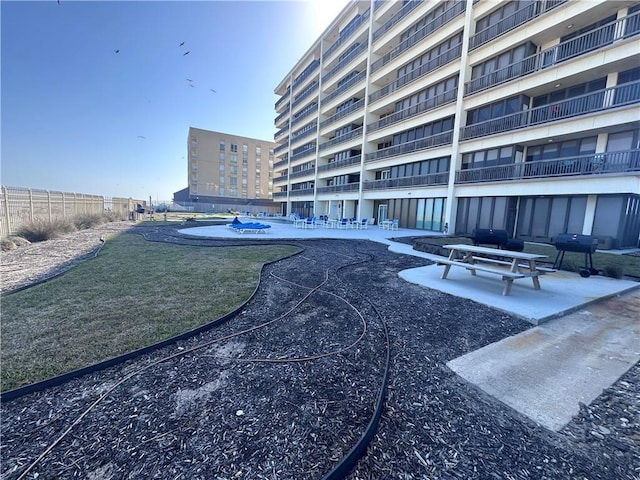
133	294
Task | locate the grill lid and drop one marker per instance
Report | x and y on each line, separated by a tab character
573	242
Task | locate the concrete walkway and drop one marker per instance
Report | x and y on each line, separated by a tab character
545	372
588	332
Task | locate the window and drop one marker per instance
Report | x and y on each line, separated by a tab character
245	148
221	156
258	151
222	146
234	147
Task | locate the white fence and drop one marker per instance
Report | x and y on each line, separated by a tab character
23	205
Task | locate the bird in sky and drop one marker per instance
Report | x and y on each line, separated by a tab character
212	90
192	85
142	137
186	53
182	44
189	80
117	51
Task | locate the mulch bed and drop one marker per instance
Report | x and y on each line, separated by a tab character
285	388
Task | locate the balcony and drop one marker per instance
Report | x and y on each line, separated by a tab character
282	98
343	113
411	147
404	11
433	179
599	101
282	147
306	73
304	153
342	63
346	86
518	18
279	195
348	187
280	133
428	29
417	73
282	115
343	38
280	179
310	131
302	173
573	48
305	94
594	164
304	113
415	110
281	163
342	138
302	192
346	162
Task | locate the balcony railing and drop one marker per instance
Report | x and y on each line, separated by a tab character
599	163
280	179
282	115
281	163
429	28
417	73
304	134
302	173
575	47
403	12
410	147
304	95
415	110
601	100
280	132
301	192
282	147
342	138
279	195
518	18
363	17
347	187
345	162
343	113
377	4
304	153
310	69
283	98
304	114
346	86
341	64
431	179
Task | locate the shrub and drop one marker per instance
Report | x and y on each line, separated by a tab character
613	271
88	220
41	230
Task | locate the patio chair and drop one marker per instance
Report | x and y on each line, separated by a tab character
343	224
394	224
364	224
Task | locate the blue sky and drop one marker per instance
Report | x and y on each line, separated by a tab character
79	117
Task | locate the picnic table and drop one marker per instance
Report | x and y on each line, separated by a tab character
510	265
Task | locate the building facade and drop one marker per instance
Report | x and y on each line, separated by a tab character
463	114
229	171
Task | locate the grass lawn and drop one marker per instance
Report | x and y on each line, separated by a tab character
134	293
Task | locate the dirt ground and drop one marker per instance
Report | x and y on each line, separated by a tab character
286	388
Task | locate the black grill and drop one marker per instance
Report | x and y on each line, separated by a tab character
572	242
499	238
489	236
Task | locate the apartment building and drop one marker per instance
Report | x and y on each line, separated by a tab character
463	114
229	171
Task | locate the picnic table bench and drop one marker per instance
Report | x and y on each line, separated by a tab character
509	265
